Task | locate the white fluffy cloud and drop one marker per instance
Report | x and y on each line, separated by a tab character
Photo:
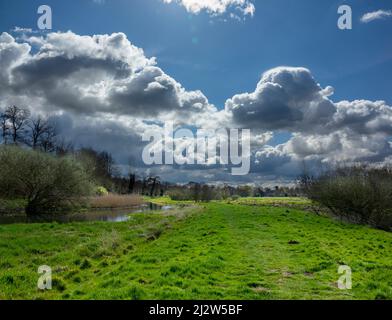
289	98
376	15
324	132
217	7
94	74
285	98
105	93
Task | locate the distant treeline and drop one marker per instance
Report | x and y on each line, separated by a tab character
205	192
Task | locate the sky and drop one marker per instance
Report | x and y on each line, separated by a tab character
282	68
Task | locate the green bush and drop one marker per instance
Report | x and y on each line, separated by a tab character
47	183
101	191
359	194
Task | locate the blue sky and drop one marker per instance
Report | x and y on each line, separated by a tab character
291	113
225	57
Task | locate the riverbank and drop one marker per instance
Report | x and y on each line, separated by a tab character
105	202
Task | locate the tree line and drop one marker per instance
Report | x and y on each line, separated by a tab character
18	127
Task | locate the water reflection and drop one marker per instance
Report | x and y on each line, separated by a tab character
114	215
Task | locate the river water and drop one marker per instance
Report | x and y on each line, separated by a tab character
114	215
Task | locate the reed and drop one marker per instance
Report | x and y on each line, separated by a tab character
115	201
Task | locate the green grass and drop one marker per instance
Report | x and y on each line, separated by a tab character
215	251
274	201
167	201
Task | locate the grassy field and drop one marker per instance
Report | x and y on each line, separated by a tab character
212	251
284	201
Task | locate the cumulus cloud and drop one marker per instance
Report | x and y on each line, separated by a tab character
363	117
217	7
324	132
376	15
11	53
90	74
289	98
105	93
285	98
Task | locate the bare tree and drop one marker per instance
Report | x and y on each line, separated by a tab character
153	181
144	186
106	164
17	118
42	134
49	141
131	184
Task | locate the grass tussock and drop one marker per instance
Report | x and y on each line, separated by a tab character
115	201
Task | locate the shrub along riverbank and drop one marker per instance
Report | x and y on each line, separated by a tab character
42	182
360	194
